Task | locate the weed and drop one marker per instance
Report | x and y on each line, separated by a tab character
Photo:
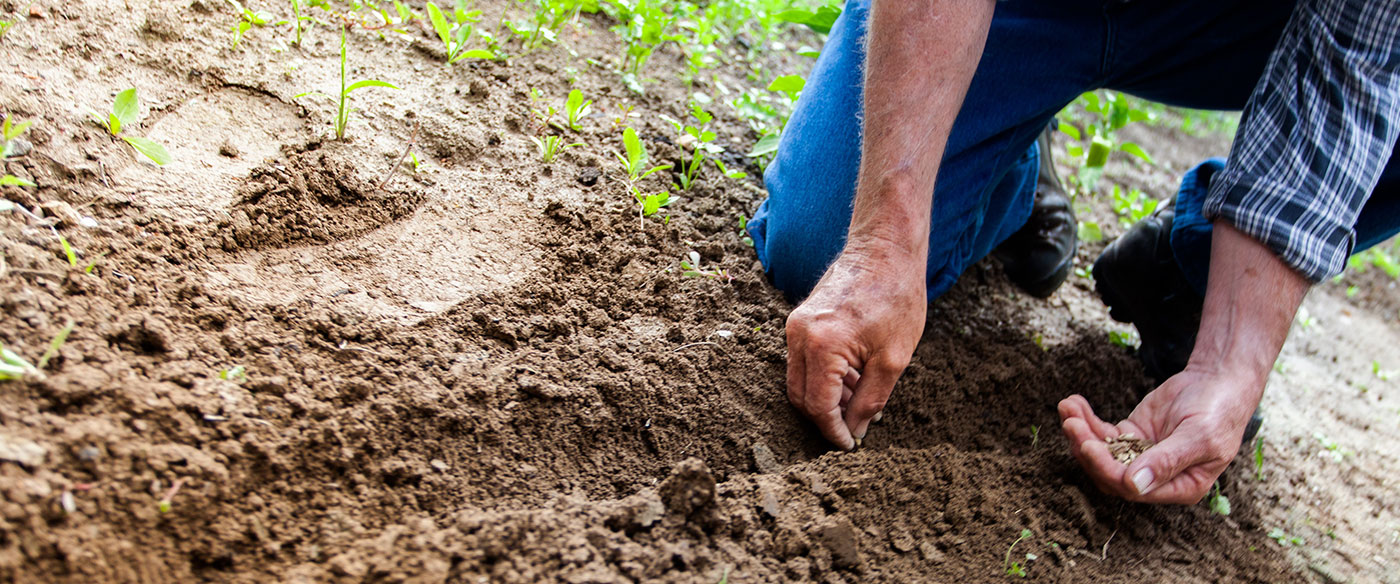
9	131
1331	449
575	108
1218	503
1015	568
1127	340
236	374
13	366
691	268
454	36
125	109
1381	374
247	19
551	146
1259	458
1283	538
701	139
634	163
342	116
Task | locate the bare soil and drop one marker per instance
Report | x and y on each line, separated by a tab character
488	371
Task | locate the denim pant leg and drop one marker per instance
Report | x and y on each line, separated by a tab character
986	184
1191	232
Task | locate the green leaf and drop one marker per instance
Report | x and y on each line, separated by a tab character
124	109
1135	150
11	180
819	20
635	152
1071	131
768	144
68	251
368	83
1220	504
439	24
1089	231
653	170
12	131
152	149
1098	153
114	125
55	345
475	54
789	84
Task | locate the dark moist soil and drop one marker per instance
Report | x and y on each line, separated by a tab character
584	414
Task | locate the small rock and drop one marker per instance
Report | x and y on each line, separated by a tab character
841	538
768	502
229	150
18	147
764	459
62	211
438	464
22	450
89	454
37	12
588	176
690	488
931	553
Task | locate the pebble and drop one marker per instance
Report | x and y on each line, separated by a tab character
764	459
22	450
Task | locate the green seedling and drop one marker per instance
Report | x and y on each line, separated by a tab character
766	145
1381	374
247	19
125	109
645	25
701	139
1218	503
575	108
691	268
68	251
236	374
1127	340
1331	449
1035	435
165	504
634	163
551	146
1016	568
454	36
9	132
1283	538
1090	231
543	115
791	85
1132	205
744	231
1105	115
648	205
549	16
5	27
342	116
1259	458
10	180
414	161
13	366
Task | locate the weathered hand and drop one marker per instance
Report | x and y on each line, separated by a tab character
852	338
1196	419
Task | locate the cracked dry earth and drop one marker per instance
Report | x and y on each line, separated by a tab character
487	371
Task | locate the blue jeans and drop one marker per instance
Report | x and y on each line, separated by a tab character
1040	55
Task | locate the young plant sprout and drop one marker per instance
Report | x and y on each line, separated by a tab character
551	146
542	116
1015	568
9	132
1218	503
13	366
247	19
454	36
575	107
690	268
701	139
635	161
125	110
342	116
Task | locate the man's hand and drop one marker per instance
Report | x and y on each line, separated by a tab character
852	338
1196	419
1198	416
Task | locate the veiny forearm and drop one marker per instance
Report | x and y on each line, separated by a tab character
1251	299
921	55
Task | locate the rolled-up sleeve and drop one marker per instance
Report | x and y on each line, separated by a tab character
1316	133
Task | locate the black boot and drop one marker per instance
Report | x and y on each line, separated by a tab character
1138	278
1039	256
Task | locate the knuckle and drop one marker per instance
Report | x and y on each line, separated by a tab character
889	362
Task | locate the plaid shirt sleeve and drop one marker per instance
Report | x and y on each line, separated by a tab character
1316	133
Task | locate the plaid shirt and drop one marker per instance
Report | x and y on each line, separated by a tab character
1316	134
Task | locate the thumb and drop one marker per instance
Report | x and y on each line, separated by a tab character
1161	463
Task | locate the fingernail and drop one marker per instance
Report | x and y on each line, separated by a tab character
877	417
857	442
1143	481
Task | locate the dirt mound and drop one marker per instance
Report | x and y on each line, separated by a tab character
313	196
